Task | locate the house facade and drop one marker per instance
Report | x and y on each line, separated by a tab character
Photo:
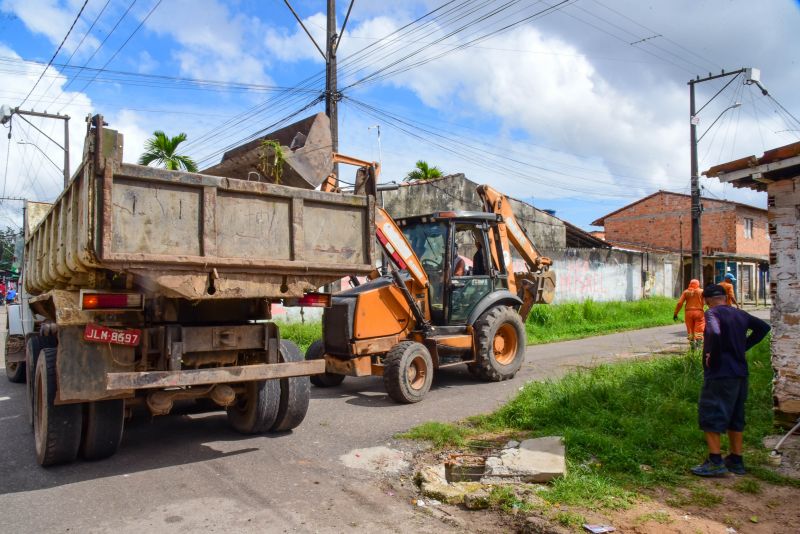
735	237
778	173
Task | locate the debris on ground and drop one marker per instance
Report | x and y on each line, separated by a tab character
376	460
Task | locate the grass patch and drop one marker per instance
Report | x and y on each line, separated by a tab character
660	517
748	485
547	323
569	519
303	334
504	498
440	434
573	320
632	426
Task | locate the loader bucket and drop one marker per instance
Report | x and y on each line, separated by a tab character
306	152
535	288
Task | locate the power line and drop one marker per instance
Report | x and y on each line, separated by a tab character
56	52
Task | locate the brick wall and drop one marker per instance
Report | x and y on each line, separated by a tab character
784	217
663	220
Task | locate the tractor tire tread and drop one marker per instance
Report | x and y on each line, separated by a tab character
325	380
395	377
486	326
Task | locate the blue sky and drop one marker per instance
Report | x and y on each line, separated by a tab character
580	109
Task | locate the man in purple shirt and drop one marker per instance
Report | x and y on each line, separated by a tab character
724	392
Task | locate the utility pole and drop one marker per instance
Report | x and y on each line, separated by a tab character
332	94
752	76
7	113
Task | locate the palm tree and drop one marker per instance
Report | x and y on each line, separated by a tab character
161	149
423	172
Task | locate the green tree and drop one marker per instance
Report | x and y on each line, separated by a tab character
423	171
163	150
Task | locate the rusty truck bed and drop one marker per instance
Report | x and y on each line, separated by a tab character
195	236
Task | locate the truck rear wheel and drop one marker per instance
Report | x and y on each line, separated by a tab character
326	380
15	372
500	339
33	346
103	422
295	392
255	410
408	372
56	429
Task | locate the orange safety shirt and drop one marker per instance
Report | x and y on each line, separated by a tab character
693	298
728	292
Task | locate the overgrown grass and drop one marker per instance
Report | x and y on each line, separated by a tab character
547	323
631	426
440	434
303	334
575	320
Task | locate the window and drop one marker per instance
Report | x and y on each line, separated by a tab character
748	228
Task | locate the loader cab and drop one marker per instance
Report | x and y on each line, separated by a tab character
454	249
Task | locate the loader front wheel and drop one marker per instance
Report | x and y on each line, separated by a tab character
500	340
295	392
408	372
255	410
326	380
56	429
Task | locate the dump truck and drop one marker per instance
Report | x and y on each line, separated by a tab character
155	286
429	310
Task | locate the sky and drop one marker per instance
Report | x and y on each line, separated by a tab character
581	106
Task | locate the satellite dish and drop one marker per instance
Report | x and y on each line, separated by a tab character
5	113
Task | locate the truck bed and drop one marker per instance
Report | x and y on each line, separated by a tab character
195	236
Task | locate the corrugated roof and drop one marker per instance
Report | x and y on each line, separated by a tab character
754	172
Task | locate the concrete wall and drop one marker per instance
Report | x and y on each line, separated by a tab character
456	192
606	275
784	227
663	220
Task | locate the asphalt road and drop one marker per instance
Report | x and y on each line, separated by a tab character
190	472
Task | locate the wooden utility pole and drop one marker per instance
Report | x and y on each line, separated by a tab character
331	94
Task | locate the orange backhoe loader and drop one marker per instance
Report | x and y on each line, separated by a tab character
429	309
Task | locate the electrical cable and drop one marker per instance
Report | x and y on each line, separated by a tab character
64	40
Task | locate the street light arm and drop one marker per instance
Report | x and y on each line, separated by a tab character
41	132
43	153
736	105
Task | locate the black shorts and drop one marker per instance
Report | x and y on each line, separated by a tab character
721	405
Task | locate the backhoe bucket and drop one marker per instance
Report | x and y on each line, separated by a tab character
304	159
535	288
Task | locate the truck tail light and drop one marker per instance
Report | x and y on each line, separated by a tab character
112	301
310	300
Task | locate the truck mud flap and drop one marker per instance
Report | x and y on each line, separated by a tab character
221	375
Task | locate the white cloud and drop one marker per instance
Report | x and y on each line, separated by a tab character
214	43
52	19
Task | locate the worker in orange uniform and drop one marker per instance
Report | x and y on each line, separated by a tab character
727	283
693	316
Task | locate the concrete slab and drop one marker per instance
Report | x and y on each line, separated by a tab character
536	460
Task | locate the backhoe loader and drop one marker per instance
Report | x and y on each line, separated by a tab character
429	309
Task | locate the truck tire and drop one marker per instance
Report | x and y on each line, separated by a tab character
56	429
295	392
15	371
326	380
408	372
256	410
33	346
103	422
500	344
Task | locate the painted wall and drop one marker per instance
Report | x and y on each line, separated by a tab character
606	275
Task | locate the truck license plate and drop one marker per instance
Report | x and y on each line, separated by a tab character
103	334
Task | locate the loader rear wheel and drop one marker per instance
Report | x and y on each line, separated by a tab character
56	429
103	422
255	410
408	372
326	380
295	392
500	340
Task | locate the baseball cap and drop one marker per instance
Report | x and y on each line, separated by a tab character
730	277
714	290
